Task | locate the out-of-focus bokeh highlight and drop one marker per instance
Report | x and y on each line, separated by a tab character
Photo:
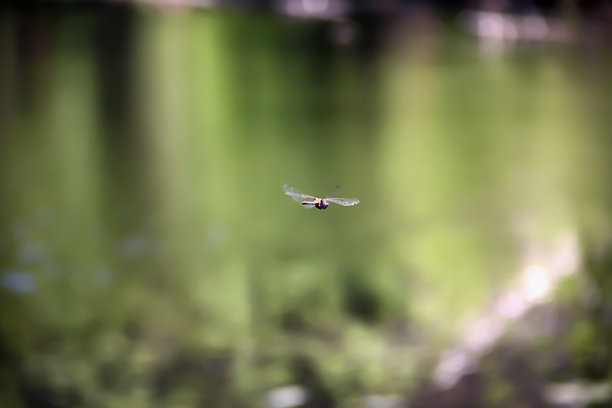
149	258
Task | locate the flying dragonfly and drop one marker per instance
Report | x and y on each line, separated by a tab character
308	201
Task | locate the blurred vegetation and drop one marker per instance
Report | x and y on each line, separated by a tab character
149	256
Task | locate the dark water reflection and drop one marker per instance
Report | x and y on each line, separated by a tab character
149	255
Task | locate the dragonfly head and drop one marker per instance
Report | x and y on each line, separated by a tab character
322	204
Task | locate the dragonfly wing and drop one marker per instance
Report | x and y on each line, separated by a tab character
307	205
344	201
296	194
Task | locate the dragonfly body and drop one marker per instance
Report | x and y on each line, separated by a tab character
319	203
308	201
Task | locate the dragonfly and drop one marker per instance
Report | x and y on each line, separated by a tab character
308	201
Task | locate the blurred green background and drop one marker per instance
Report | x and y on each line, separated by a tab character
150	258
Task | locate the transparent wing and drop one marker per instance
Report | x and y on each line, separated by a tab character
307	206
296	194
334	191
344	201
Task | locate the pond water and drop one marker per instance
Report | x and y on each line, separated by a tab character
149	253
